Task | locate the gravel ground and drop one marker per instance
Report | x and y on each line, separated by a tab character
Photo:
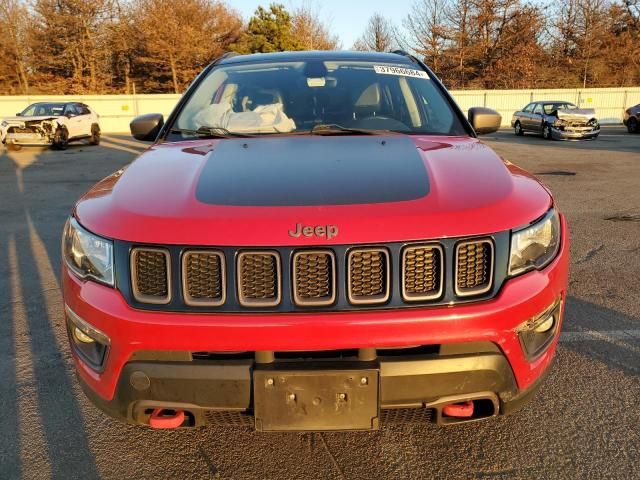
582	424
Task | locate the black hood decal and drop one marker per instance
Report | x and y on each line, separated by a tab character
296	171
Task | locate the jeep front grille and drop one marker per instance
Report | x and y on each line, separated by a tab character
203	278
368	275
314	277
474	267
422	267
151	275
289	279
259	279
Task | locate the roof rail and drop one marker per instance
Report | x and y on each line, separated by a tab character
228	55
404	53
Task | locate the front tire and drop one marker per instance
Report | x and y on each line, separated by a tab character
517	129
61	139
546	131
632	125
95	135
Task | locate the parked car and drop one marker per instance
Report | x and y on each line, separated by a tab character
556	120
632	119
315	241
51	123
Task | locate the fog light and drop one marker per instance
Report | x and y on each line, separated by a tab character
546	325
81	336
536	334
87	341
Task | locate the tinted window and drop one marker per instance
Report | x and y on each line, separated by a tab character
70	109
84	110
538	108
296	96
549	108
44	109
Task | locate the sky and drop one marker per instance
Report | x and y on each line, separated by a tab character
351	20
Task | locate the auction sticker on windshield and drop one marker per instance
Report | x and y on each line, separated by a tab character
404	72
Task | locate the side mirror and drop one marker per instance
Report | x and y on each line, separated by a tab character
146	127
70	115
19	114
484	120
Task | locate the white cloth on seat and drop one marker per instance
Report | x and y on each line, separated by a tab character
263	119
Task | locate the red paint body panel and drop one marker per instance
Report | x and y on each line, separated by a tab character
494	320
472	192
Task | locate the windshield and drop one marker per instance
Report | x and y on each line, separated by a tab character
353	97
549	108
43	109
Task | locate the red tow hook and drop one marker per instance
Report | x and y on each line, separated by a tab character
159	419
459	410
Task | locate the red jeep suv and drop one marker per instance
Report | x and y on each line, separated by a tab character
314	241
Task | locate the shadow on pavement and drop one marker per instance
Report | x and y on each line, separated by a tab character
38	190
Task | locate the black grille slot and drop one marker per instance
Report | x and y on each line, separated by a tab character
422	267
314	278
21	130
203	278
368	277
150	275
259	279
229	418
474	267
406	415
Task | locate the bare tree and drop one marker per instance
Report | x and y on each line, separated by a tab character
14	26
427	25
310	31
459	18
100	46
121	42
67	42
181	36
378	35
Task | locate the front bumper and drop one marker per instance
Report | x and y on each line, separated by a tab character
27	140
589	134
503	371
206	390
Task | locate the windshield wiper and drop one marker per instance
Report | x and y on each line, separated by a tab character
335	129
211	132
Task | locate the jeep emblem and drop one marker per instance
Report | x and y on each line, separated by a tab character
327	231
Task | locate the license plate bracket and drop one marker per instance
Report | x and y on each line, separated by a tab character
316	400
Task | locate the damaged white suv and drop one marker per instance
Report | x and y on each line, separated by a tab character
51	123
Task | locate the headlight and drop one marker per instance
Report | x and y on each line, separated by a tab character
4	124
86	254
536	245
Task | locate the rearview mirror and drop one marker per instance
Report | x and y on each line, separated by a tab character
146	127
484	120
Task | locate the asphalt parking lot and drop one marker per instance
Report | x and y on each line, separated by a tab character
583	423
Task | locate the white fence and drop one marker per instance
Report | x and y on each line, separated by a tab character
609	103
116	111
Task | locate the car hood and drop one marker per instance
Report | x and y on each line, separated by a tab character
254	191
577	114
31	119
